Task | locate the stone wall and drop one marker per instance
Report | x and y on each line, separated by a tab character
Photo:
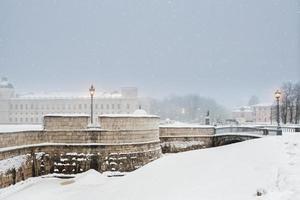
67	146
186	131
178	139
128	122
21	138
65	122
72	159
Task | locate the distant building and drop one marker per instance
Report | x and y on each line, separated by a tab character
30	109
259	113
262	113
243	114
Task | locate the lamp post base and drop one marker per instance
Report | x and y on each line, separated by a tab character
279	131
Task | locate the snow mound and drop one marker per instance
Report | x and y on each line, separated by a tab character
90	177
140	112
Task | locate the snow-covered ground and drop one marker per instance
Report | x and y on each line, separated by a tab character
269	166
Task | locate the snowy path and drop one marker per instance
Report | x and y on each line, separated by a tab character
268	165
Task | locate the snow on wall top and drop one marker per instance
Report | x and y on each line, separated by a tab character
66	115
12	163
60	95
21	127
128	115
184	125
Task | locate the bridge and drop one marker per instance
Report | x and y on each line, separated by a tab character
233	134
190	137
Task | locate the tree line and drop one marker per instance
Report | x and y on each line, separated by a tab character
189	108
290	103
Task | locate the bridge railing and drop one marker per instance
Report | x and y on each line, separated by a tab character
284	128
240	129
257	129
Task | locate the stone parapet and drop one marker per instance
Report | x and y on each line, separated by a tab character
128	122
65	122
21	138
186	131
66	145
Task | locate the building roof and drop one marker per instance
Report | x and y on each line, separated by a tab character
5	84
61	95
262	105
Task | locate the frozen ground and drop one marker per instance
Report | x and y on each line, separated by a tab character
269	166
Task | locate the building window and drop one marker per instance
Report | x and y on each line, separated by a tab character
85	106
79	106
16	106
119	106
21	106
107	106
128	106
31	107
101	106
112	106
11	106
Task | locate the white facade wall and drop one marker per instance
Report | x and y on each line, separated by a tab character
31	111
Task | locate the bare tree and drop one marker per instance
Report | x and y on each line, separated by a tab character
287	89
290	108
297	103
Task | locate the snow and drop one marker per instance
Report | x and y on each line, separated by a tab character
140	112
19	128
181	144
183	125
269	166
128	115
67	115
10	163
66	95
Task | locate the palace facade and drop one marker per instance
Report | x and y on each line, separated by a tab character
30	108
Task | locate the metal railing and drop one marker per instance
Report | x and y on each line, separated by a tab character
257	129
240	129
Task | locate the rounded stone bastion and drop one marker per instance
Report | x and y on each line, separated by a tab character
67	144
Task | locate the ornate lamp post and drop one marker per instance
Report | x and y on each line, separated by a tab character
92	92
277	96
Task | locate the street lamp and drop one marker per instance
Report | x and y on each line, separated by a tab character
92	92
277	96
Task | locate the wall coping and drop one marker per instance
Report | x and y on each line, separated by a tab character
187	126
127	116
5	149
186	136
66	115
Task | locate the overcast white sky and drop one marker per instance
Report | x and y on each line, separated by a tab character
228	50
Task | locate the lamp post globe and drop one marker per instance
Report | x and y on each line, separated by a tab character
92	93
277	95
